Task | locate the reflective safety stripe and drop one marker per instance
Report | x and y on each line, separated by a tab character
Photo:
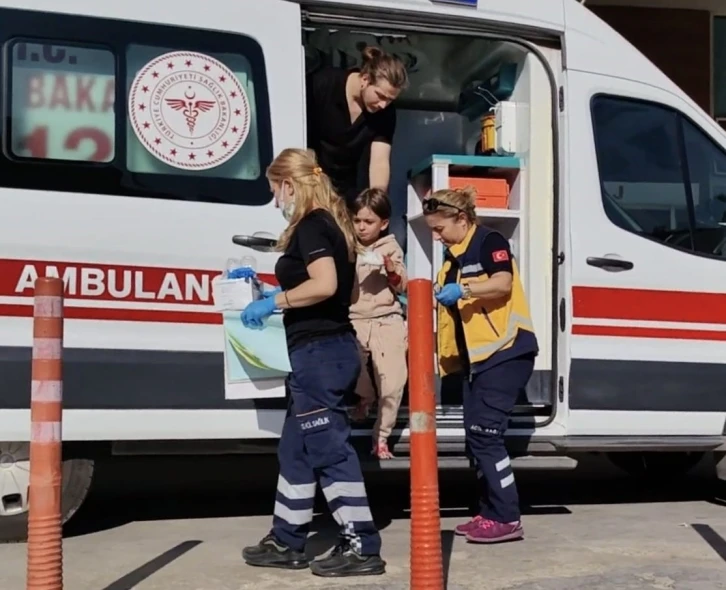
515	322
469	268
507	481
344	489
303	491
503	464
294	517
346	514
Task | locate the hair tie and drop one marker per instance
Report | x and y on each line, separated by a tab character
317	170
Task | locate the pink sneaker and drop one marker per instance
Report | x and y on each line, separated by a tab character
490	531
465	528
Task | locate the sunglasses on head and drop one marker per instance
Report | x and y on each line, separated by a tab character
433	204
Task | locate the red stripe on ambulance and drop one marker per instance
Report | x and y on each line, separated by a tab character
110	282
649	305
120	315
86	281
641	332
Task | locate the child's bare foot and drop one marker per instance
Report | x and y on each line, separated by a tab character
360	412
382	451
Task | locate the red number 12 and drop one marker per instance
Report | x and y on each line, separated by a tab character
37	142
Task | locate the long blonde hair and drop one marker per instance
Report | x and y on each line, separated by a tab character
313	190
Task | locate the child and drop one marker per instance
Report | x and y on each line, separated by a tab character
377	316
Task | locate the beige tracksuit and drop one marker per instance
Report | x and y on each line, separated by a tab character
378	320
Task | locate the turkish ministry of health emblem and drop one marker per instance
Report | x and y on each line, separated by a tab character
189	110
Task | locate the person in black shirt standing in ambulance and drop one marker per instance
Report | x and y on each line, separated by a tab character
349	111
316	274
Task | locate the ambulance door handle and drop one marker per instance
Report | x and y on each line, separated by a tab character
610	264
256	242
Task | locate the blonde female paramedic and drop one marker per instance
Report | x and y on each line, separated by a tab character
316	273
484	331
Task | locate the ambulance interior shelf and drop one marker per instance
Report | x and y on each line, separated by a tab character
457	171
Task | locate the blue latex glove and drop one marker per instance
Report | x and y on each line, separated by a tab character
243	272
271	292
257	312
449	294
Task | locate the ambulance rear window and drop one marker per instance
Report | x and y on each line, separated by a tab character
62	105
137	109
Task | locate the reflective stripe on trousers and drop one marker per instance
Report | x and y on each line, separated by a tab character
315	441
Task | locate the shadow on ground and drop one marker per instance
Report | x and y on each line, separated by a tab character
152	489
146	489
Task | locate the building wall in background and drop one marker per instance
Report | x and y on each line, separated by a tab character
677	40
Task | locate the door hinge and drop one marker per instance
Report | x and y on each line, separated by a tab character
561	389
560	258
562	98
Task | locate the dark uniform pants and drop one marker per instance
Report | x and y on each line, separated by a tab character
488	402
315	446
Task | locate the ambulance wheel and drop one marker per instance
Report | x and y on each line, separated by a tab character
14	481
656	465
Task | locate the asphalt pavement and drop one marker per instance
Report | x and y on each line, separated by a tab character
180	523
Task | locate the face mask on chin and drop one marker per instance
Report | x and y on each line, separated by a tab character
288	210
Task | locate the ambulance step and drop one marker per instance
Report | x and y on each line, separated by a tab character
528	462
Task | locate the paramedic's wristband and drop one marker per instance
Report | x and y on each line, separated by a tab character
465	291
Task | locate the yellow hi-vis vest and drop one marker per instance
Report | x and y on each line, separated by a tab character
489	325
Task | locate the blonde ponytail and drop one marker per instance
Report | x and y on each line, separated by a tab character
313	190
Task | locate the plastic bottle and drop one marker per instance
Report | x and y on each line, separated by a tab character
249	262
488	134
232	264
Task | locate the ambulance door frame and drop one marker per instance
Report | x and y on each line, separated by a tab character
412	21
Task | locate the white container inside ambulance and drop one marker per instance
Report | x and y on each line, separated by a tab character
118	176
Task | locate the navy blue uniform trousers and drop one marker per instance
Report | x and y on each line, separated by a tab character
489	398
315	447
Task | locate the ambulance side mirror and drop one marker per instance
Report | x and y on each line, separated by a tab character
260	243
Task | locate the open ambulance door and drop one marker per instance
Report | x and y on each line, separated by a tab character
647	259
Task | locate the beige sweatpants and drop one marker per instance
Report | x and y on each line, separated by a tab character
385	341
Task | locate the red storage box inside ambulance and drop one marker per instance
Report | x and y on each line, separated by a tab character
492	193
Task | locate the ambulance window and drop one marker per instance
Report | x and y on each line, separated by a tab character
244	165
642	173
62	102
134	109
707	174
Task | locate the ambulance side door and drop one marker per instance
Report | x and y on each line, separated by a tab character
647	261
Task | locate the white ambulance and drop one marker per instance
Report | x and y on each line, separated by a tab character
135	140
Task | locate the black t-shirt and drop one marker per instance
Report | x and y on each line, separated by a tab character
338	143
495	256
316	236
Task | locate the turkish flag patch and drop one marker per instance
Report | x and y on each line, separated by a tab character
500	256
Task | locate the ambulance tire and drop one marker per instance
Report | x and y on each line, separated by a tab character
656	466
77	478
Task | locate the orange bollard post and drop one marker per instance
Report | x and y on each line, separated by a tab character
427	568
45	526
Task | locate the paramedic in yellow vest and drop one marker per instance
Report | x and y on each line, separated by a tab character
485	332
